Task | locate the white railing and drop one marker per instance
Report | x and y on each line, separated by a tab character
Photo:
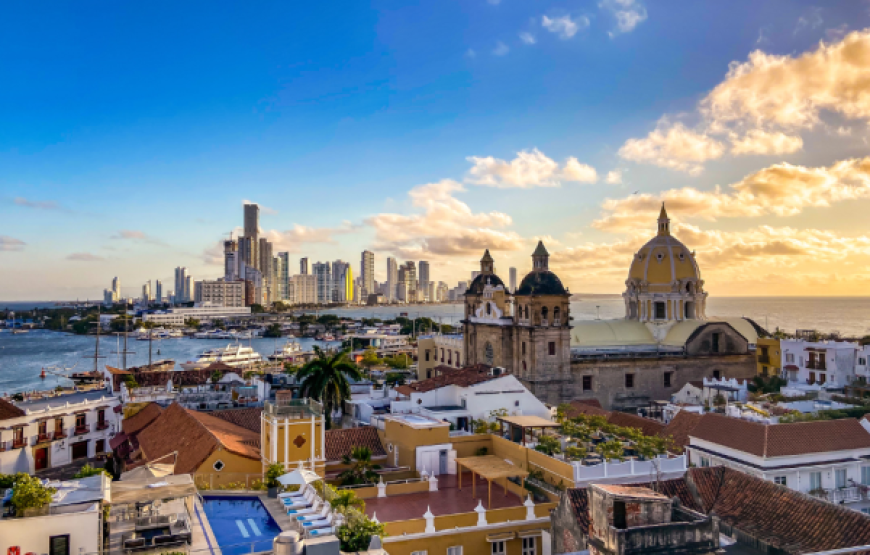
631	467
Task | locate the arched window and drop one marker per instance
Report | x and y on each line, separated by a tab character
556	321
544	316
488	309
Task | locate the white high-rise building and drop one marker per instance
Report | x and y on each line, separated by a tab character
423	278
116	289
367	272
392	278
302	289
323	275
342	282
231	260
188	289
181	277
220	293
146	292
513	280
158	291
282	275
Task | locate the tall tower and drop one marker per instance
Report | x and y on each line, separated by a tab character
411	280
512	279
303	266
116	289
266	266
231	260
424	280
181	277
392	278
252	232
158	291
367	272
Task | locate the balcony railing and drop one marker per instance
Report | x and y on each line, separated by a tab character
59	434
818	365
82	429
102	425
43	438
764	359
849	494
18	443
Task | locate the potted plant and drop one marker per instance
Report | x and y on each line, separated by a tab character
272	474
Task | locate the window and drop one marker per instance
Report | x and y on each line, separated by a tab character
661	313
551	346
101	416
544	316
498	548
865	475
457	358
715	348
42	427
780	480
668	376
442	354
789	357
524	348
80	420
528	546
705	462
427	355
58	425
629	381
58	545
587	383
862	361
812	378
218	465
455	550
556	321
764	371
815	481
717	375
840	478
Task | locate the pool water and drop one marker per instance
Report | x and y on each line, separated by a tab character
240	524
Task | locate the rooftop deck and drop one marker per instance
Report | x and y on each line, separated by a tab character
449	499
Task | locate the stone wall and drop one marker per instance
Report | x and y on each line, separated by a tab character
609	382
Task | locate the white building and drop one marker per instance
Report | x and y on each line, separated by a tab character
177	316
220	293
706	391
819	364
829	459
302	289
72	522
54	431
458	396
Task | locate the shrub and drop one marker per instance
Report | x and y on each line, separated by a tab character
29	493
87	471
274	472
357	532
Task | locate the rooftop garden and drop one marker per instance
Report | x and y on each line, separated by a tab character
593	440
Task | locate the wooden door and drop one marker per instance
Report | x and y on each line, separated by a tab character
80	450
40	458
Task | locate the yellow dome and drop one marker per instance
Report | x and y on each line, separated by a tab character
663	260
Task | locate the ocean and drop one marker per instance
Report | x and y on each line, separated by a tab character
22	357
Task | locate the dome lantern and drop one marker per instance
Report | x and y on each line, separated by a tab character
540	258
486	263
664	222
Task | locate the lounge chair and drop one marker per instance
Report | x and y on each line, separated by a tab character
315	516
307	496
301	502
166	541
299	493
317	532
322	523
314	508
135	544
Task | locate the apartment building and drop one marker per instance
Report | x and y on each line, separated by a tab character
220	293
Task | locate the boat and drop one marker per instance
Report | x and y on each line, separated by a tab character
327	337
288	352
210	334
236	356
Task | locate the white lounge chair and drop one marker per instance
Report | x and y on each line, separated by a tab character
295	502
317	532
313	509
318	523
316	516
299	493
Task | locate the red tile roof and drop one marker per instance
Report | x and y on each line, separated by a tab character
680	427
648	426
784	519
463	377
141	419
8	410
782	440
585	406
194	436
248	418
340	442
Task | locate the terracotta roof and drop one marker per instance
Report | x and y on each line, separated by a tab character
648	426
783	518
462	377
194	436
248	418
679	428
782	440
584	406
8	410
340	442
141	419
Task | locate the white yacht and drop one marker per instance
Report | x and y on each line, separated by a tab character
288	352
237	356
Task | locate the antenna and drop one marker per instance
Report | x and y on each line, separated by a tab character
96	356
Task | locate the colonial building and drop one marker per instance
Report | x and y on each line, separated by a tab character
664	341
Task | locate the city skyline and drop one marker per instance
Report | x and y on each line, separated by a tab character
581	120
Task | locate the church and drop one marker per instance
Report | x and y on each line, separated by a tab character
665	339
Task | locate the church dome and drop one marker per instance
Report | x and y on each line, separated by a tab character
541	283
664	260
476	287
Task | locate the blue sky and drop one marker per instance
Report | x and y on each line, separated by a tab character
133	133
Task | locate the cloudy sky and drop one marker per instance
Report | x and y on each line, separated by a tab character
131	135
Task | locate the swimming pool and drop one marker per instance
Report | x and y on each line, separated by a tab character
240	524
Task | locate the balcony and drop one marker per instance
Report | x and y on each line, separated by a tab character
837	496
43	438
764	359
18	443
59	434
102	425
83	429
817	365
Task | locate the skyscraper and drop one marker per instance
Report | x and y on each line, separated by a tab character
411	281
342	282
367	272
303	266
188	289
266	266
513	280
158	291
392	278
146	292
424	282
181	276
231	260
323	277
282	274
252	232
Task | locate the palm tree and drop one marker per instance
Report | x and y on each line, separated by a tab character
347	499
360	468
326	379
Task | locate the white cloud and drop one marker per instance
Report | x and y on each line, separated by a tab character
564	26
812	20
614	177
757	141
84	257
444	226
500	49
628	14
527	38
11	244
780	189
673	146
470	53
531	168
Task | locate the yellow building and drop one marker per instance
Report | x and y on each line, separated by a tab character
438	350
292	433
768	357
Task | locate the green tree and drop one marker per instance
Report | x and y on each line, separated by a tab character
274	330
394	378
562	412
357	532
290	369
130	381
611	449
257	309
219	324
548	445
360	470
274	472
29	493
398	362
87	471
370	358
216	376
326	378
347	499
192	323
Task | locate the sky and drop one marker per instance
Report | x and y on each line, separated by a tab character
132	134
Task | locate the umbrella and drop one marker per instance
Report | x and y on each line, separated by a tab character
298	477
